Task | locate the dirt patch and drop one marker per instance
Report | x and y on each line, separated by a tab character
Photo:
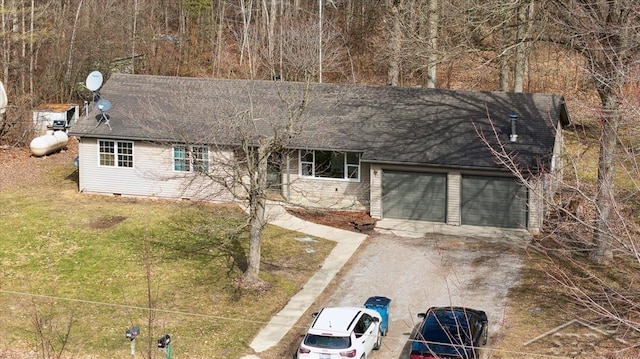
354	221
106	222
19	167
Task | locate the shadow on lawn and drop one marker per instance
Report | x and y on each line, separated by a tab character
207	242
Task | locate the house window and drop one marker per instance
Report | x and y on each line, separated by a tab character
180	162
115	153
191	158
330	164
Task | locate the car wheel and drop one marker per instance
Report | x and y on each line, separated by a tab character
485	337
378	341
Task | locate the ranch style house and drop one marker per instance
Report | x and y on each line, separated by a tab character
422	154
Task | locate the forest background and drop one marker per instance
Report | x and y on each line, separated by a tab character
49	47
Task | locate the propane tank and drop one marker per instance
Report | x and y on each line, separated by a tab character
48	143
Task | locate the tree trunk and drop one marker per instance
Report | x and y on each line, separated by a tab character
432	24
605	198
31	52
219	43
23	44
270	18
246	9
505	57
524	18
72	43
133	36
257	210
6	44
256	224
395	44
319	41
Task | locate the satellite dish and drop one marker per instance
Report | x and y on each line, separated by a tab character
3	99
103	105
94	81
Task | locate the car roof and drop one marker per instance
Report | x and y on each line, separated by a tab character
440	323
336	320
460	312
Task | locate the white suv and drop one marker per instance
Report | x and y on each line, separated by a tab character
342	332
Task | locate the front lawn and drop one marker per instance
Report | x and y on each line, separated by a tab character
79	270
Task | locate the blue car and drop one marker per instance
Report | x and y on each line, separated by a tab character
450	333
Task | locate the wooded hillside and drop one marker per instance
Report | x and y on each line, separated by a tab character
49	47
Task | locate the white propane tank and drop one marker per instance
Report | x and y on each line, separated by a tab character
49	143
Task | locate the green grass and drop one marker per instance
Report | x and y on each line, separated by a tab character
95	263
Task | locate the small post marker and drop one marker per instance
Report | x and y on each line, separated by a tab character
164	344
131	334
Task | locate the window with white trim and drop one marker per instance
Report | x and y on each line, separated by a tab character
330	164
115	153
190	158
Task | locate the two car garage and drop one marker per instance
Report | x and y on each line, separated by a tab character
483	200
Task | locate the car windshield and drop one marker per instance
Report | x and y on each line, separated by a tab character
446	327
327	342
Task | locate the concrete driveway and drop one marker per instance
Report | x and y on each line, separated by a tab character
418	270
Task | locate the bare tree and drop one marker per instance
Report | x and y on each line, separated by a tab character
53	337
498	34
247	11
261	138
6	43
245	138
606	295
299	44
270	17
523	32
424	34
607	34
72	42
432	41
395	42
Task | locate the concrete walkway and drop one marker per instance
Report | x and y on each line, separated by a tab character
346	244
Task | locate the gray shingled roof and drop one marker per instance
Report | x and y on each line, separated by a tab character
387	124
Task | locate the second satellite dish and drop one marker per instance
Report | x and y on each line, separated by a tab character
103	105
94	81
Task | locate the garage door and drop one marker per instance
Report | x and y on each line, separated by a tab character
494	202
414	195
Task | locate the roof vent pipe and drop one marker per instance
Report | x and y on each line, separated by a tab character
513	137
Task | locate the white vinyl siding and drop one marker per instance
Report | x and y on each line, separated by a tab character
153	175
454	180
